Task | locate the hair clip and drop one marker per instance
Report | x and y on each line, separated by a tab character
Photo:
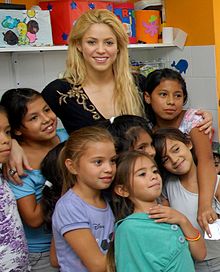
48	184
112	119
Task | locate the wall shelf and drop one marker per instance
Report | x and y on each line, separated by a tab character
150	45
64	48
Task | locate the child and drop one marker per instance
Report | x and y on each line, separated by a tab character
132	132
52	189
51	192
34	126
13	246
83	220
165	96
143	242
216	157
181	189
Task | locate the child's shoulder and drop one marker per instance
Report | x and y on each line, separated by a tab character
69	200
32	183
5	189
62	134
190	114
67	196
139	220
190	120
144	230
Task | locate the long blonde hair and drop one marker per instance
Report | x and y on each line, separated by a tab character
126	97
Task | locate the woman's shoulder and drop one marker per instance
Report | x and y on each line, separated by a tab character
57	84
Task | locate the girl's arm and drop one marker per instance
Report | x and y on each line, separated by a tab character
85	246
217	193
206	124
30	211
196	243
17	161
206	177
164	214
53	255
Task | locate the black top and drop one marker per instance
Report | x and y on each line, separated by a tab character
72	105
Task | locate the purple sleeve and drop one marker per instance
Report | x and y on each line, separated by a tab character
67	218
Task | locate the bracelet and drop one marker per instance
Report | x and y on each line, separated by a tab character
195	238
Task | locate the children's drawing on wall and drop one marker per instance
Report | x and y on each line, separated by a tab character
22	27
32	29
181	66
20	32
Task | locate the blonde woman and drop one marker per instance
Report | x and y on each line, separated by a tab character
97	83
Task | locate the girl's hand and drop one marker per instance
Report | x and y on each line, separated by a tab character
206	124
165	214
168	215
206	215
17	162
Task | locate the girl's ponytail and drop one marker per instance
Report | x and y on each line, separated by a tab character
53	185
110	258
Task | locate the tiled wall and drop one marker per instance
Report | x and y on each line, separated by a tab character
35	70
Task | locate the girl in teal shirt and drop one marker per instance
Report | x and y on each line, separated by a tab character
149	237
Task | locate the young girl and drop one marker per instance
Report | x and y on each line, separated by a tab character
52	189
83	220
216	158
181	189
132	132
34	126
13	246
143	242
51	192
165	96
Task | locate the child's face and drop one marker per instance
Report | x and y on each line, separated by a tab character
96	168
146	182
5	138
178	159
144	143
217	163
166	100
39	123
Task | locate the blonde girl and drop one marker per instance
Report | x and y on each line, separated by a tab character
83	221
